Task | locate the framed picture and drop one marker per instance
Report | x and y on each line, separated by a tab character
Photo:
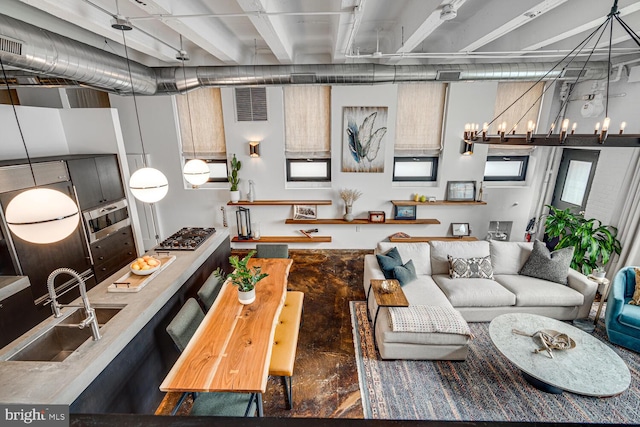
364	129
305	211
460	229
405	212
377	216
461	191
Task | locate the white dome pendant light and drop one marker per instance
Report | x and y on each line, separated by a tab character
39	215
147	184
196	172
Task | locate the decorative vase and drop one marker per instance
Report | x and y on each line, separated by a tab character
599	274
348	216
247	297
235	196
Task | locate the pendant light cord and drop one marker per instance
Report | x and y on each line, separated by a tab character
15	113
186	90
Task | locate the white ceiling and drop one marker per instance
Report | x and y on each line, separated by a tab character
265	32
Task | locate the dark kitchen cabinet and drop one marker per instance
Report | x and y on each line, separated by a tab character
17	315
112	253
97	180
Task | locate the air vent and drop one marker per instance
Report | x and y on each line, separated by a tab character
300	78
572	73
448	76
10	46
251	104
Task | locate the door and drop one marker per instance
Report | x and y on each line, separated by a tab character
577	169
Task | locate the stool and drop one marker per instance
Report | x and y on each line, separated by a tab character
285	341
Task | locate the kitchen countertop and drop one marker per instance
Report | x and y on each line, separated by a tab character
11	285
62	382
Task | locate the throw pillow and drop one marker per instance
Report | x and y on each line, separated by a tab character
552	266
635	299
388	261
405	273
468	268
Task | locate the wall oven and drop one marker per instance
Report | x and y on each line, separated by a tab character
106	220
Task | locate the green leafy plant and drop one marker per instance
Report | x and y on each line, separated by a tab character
243	277
233	178
594	244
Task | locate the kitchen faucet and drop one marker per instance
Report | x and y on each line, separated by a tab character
91	318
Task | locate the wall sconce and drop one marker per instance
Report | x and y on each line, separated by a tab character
243	221
254	148
467	148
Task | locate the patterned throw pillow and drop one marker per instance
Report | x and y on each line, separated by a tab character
388	261
551	266
470	268
635	299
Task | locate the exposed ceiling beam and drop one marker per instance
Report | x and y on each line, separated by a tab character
271	28
348	27
514	23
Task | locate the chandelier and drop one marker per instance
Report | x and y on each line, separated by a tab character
560	133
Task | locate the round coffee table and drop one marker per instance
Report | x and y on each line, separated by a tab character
591	368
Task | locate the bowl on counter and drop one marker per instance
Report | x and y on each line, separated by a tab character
145	265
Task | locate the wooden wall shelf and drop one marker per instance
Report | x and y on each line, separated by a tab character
285	239
436	203
431	238
339	221
280	202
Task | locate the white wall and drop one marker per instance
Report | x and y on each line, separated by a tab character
42	129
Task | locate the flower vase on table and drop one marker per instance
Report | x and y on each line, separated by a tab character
348	216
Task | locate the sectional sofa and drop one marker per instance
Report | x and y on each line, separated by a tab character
476	299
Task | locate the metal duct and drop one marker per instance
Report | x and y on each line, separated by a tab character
43	52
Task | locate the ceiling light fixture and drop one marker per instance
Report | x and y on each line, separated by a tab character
196	172
147	184
39	215
600	137
448	12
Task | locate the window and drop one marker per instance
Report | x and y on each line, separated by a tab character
415	168
308	169
307	117
217	170
506	168
418	131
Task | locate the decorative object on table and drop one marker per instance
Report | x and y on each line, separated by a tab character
480	192
594	243
420	198
399	235
305	211
243	277
349	196
598	273
405	212
234	180
308	232
363	147
377	216
251	195
460	229
431	199
461	191
255	228
549	340
145	265
243	221
132	282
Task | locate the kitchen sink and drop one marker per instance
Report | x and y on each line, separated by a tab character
63	338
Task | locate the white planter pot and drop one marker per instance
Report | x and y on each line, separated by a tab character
235	196
247	297
599	274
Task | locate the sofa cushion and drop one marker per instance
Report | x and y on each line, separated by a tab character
418	252
466	268
388	262
532	292
424	291
440	251
509	257
552	266
405	274
474	292
630	316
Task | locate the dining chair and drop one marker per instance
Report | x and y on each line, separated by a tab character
222	404
209	291
265	250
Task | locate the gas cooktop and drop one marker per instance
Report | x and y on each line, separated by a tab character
186	239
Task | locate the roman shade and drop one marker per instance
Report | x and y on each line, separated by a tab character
201	124
307	120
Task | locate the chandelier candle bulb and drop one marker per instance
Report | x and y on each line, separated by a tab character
485	128
622	126
573	128
553	125
595	132
605	124
513	130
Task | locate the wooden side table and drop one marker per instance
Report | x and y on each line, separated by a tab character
603	297
388	293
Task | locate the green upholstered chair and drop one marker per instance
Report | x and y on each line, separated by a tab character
264	250
181	329
209	291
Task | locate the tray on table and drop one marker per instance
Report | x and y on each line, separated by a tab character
131	282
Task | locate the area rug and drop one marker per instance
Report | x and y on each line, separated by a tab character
485	387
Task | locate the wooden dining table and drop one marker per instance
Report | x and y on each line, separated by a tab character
231	349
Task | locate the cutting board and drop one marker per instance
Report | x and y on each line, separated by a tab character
131	282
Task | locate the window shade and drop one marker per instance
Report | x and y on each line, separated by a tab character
419	119
207	127
307	118
521	112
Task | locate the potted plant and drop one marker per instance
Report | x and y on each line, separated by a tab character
349	196
593	243
234	180
243	277
598	272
